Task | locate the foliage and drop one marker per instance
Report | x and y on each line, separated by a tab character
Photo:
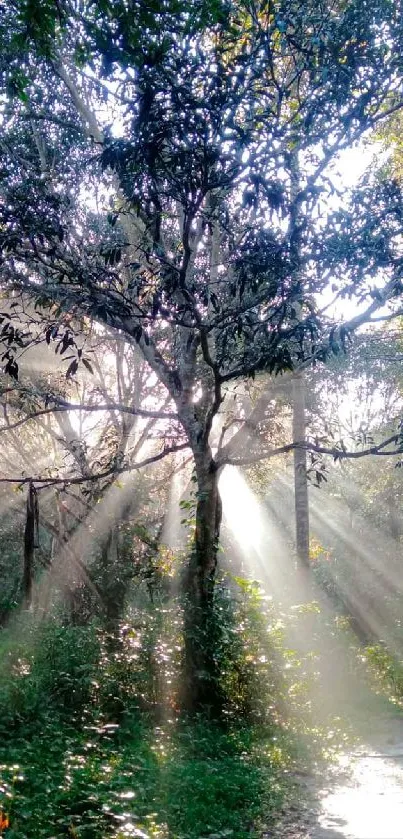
242	103
129	763
387	670
189	782
51	670
247	658
10	566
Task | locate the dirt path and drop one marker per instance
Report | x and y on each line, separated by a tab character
361	795
366	801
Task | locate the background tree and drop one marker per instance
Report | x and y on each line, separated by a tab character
81	443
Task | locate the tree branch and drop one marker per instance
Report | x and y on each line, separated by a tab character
62	406
336	453
117	470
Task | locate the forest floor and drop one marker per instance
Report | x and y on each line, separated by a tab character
358	792
336	759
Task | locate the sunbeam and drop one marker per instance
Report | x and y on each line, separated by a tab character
257	540
174	534
309	617
363	564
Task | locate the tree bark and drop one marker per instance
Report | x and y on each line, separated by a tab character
300	471
201	676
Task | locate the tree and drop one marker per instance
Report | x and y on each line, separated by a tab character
205	137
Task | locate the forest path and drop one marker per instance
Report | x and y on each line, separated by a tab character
360	795
364	799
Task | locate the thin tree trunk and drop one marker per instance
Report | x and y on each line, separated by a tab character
113	589
31	531
300	471
394	521
201	683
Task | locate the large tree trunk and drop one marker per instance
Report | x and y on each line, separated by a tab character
300	471
201	672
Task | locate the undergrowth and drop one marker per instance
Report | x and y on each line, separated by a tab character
92	744
141	780
387	672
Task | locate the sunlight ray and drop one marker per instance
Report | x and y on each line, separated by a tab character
174	534
257	538
70	563
309	618
361	570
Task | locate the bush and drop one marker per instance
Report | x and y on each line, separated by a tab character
69	771
246	652
53	669
388	671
